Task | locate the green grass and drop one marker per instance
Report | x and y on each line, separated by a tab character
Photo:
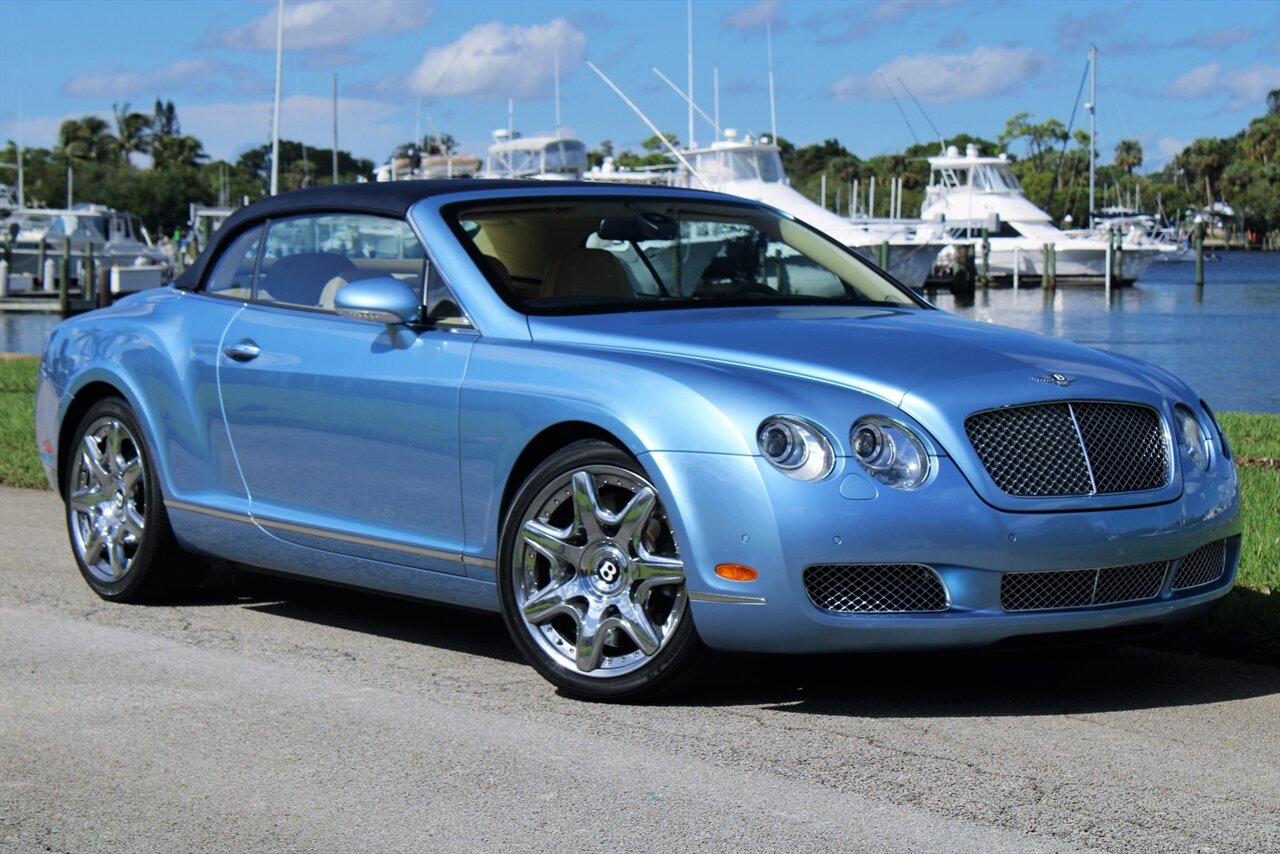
1245	625
19	459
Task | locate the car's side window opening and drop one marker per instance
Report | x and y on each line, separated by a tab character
233	274
307	260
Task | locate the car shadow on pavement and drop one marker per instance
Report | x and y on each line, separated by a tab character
982	683
966	683
411	621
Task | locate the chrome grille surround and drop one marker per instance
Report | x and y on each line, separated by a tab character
854	588
1072	448
1081	588
1203	566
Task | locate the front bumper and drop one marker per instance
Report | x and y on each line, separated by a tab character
738	509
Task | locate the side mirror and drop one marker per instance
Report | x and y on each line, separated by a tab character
381	300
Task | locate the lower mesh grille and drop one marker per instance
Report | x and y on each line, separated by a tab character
1202	566
875	588
1081	588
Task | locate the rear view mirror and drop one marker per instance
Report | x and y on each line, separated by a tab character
637	229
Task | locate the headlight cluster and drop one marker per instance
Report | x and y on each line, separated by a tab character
1192	437
1222	436
888	451
796	447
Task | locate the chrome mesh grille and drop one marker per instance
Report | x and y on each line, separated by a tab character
875	588
1071	448
1202	566
1081	588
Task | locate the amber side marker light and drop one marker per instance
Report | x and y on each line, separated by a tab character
736	572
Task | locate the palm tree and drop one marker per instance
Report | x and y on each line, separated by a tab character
87	139
1128	155
132	131
1205	158
168	152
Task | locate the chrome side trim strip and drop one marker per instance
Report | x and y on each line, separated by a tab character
207	511
727	598
354	539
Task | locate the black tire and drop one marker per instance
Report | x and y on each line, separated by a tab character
622	669
149	565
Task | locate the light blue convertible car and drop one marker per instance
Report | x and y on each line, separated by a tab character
639	423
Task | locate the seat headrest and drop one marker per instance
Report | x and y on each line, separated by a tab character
583	272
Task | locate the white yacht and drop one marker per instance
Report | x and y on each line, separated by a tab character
752	169
546	158
117	238
412	164
969	191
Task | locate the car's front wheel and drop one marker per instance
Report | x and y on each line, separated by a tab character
591	580
116	519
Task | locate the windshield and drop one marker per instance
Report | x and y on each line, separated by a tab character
739	164
570	256
995	179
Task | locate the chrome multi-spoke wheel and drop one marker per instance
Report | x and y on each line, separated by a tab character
119	530
594	586
107	499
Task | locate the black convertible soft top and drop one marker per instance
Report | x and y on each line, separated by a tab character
389	198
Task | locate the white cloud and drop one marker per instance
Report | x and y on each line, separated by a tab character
1170	148
753	15
1218	38
495	60
363	127
940	78
198	76
326	24
1247	87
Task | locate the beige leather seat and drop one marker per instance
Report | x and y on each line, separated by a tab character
583	272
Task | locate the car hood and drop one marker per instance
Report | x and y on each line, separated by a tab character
934	367
894	354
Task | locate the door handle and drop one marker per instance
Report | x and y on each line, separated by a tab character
245	351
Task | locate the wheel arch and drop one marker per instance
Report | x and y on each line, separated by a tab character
81	402
549	440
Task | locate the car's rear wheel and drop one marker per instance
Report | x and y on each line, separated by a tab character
119	530
591	580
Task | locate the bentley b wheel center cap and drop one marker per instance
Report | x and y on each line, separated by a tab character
606	568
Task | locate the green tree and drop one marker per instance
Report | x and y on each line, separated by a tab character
133	131
1128	155
169	152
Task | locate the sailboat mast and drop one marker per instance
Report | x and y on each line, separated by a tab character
773	113
690	143
275	121
335	127
557	90
1093	125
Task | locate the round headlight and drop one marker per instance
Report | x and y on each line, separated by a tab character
796	447
889	452
1191	437
1222	436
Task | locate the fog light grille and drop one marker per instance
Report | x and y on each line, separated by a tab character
1204	565
1081	588
902	588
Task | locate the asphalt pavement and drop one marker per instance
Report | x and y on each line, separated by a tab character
278	715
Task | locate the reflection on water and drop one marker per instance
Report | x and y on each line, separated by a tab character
25	332
1222	339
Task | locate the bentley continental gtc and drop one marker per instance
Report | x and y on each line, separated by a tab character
639	423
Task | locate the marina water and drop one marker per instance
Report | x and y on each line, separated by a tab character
1223	339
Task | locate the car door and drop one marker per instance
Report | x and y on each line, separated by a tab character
346	431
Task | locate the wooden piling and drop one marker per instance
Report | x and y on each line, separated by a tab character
40	249
104	287
87	277
882	254
1199	254
985	277
1049	280
64	279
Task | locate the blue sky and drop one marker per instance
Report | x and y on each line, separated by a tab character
1169	71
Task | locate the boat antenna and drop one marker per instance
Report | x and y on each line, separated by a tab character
773	112
715	124
690	142
275	121
941	139
557	88
1057	170
715	77
335	127
898	104
511	118
21	202
674	151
